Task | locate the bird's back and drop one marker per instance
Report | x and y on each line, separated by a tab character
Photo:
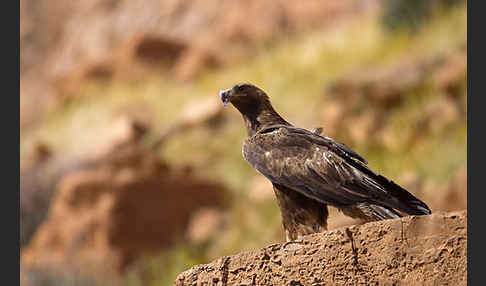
324	170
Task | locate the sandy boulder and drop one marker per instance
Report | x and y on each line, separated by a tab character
414	250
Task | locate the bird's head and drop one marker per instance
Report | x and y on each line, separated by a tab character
245	97
254	104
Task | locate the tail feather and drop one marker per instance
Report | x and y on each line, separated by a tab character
405	201
396	197
370	212
381	212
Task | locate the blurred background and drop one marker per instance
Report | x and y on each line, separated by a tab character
131	170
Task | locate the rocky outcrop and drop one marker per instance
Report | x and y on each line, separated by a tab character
414	250
125	205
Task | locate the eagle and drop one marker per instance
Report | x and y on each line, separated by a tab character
309	171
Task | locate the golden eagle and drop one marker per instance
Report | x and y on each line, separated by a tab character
309	171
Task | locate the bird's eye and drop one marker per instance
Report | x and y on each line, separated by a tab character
241	89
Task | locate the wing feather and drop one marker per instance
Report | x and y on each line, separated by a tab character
317	139
323	169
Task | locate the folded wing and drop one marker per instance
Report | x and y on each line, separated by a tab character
324	170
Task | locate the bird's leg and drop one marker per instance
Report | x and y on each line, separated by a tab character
287	236
300	214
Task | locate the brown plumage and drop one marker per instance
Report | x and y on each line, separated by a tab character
309	171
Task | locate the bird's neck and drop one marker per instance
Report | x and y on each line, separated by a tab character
261	118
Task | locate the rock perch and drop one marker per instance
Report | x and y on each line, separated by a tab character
414	250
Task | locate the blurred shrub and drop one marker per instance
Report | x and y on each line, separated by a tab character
411	14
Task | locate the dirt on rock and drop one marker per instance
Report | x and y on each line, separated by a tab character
414	250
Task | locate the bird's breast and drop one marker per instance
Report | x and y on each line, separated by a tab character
267	160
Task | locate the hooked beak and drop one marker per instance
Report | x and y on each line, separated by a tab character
225	96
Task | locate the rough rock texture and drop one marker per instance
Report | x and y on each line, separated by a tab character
415	250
